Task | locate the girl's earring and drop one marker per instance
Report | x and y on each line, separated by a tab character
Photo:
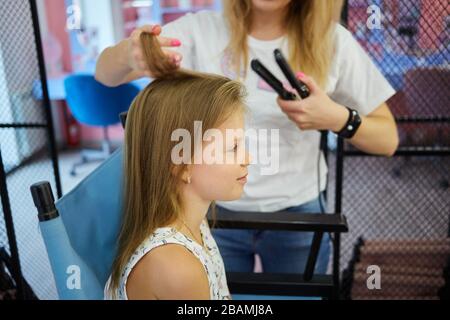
188	180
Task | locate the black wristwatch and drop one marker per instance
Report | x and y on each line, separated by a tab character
352	125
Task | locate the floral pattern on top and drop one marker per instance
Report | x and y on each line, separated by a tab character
211	260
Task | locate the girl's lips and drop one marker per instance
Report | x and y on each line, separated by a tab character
243	179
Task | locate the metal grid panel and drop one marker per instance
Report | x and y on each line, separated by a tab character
399	207
25	136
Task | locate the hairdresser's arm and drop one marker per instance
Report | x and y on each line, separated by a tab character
168	272
125	62
376	135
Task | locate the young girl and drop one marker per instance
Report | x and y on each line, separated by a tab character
340	75
165	248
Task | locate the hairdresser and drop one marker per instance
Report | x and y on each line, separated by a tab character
348	97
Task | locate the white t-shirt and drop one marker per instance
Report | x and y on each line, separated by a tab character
354	81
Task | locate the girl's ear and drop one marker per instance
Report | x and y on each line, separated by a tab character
182	171
186	175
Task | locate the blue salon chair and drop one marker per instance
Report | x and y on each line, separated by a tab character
80	233
94	104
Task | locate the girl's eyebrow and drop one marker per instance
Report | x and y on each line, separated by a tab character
238	139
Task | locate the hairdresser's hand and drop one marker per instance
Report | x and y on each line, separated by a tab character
317	112
135	52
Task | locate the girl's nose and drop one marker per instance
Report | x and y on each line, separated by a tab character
248	159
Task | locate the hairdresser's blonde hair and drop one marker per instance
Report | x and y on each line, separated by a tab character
309	24
174	100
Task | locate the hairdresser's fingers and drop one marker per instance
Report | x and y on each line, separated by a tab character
136	34
306	126
141	64
136	57
169	42
296	106
135	37
174	56
300	120
309	81
135	52
156	29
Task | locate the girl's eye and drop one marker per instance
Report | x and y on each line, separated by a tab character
234	148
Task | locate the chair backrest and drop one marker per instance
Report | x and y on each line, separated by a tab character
94	104
92	213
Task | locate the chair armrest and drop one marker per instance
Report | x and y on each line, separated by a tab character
282	220
280	284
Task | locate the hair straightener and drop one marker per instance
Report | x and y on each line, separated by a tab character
276	84
301	88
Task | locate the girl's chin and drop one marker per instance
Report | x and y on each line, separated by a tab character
236	195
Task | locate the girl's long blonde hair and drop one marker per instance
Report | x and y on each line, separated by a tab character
173	101
309	24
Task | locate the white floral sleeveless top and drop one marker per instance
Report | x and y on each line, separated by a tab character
212	261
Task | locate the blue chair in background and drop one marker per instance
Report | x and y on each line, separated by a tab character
94	104
80	232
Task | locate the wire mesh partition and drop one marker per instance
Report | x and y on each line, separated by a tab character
26	134
398	208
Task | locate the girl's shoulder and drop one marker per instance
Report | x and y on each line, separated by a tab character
165	259
168	272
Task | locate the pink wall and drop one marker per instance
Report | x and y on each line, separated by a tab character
56	22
